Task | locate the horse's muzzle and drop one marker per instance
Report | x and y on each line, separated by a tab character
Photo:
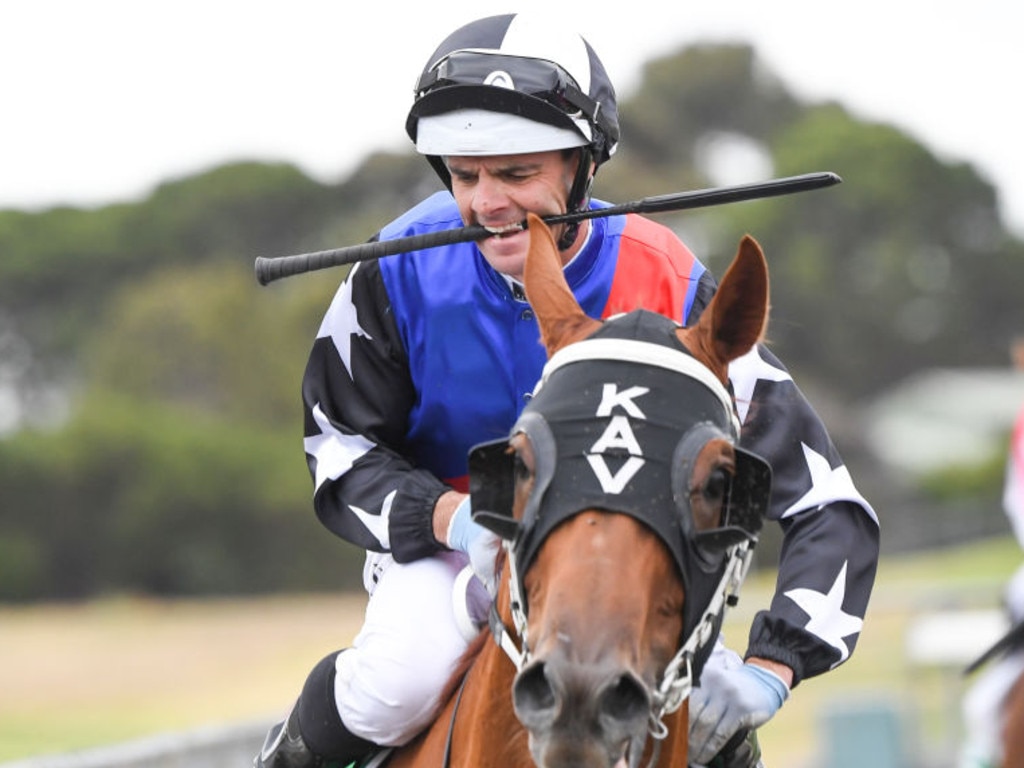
579	714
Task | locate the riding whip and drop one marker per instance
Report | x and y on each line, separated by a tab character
270	269
1012	640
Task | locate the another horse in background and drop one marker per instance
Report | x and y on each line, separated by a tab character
1013	726
628	514
1003	690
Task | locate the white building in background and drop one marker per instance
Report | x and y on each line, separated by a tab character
945	417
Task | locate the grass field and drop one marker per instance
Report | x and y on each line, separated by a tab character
74	676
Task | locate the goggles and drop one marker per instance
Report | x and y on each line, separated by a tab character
503	76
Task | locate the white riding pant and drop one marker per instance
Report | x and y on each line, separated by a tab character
416	627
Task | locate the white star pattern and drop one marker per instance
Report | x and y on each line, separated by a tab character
334	452
341	323
827	485
377	524
744	373
827	619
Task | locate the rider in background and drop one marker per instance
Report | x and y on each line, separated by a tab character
983	704
422	355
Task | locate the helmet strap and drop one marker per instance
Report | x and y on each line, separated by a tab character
579	197
437	163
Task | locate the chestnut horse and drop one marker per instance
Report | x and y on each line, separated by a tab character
628	515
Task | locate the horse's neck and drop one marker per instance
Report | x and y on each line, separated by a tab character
487	699
478	720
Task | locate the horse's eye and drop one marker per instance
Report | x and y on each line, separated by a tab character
707	501
717	486
520	470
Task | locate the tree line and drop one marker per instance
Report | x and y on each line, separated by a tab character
155	439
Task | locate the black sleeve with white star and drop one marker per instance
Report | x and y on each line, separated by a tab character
830	532
357	394
827	568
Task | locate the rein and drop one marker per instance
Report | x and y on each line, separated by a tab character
446	760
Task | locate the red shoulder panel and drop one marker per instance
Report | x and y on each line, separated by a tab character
654	270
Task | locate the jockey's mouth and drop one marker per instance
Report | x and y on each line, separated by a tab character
505	230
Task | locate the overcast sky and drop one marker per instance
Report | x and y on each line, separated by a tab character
104	99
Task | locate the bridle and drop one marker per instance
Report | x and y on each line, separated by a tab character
678	677
672	386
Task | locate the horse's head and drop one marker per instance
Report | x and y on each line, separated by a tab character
627	506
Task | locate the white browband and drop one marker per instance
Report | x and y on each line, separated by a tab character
644	353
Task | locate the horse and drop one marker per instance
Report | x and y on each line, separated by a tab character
1013	725
627	515
1008	652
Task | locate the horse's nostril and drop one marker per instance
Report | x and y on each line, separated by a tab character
625	699
532	691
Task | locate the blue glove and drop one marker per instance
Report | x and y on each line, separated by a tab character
732	696
476	541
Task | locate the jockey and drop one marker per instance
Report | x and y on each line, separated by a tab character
423	355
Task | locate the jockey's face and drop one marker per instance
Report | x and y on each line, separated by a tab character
499	190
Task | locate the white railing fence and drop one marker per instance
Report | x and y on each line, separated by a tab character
226	746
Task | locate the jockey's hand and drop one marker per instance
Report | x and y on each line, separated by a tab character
476	541
732	696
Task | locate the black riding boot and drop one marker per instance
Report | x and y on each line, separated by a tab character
284	747
313	736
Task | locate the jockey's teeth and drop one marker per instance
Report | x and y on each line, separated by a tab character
505	230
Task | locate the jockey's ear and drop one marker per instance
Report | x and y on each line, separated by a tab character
560	317
737	316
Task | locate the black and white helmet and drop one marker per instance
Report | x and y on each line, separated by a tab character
512	84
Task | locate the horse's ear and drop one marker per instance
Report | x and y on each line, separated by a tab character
559	315
736	318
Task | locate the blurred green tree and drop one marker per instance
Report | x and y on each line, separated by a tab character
179	468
